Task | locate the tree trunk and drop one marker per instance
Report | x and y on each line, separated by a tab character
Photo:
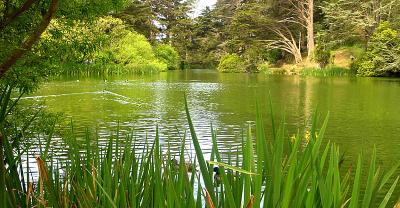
32	39
310	29
3	189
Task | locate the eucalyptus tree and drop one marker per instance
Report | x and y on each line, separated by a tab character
304	10
293	20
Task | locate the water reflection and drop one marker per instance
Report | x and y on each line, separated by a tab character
364	111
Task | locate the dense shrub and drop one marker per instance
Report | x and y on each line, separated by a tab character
135	53
253	56
231	63
322	55
266	69
168	55
273	56
263	67
103	43
382	56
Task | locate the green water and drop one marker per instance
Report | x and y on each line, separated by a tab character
363	111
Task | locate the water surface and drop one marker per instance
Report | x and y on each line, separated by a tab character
363	111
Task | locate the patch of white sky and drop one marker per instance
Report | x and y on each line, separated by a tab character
200	5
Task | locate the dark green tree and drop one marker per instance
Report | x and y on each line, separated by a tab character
140	17
207	35
355	21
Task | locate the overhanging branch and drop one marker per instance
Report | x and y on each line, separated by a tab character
32	39
11	17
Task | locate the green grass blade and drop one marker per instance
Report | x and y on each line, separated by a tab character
389	194
356	186
371	182
199	153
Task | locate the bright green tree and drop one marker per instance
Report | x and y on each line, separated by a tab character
382	57
22	23
168	55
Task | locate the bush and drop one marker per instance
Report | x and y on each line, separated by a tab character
94	46
136	54
382	56
231	63
168	55
263	67
266	69
252	58
322	55
133	52
273	56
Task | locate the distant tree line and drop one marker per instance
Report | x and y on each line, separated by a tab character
273	31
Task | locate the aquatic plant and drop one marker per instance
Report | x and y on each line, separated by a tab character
330	71
265	172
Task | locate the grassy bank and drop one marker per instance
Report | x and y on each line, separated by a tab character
331	71
302	171
327	72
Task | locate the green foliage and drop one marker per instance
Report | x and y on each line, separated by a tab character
253	56
165	21
231	63
40	62
93	46
322	55
134	53
382	56
355	50
264	67
21	26
273	56
139	16
204	50
301	171
168	55
327	72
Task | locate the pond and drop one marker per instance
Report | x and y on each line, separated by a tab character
363	111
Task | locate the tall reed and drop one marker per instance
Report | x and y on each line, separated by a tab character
303	171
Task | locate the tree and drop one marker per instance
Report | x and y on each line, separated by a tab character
140	17
304	9
168	55
206	38
27	44
22	23
286	41
354	20
26	21
382	57
291	19
165	21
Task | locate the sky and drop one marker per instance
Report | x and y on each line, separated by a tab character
201	4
